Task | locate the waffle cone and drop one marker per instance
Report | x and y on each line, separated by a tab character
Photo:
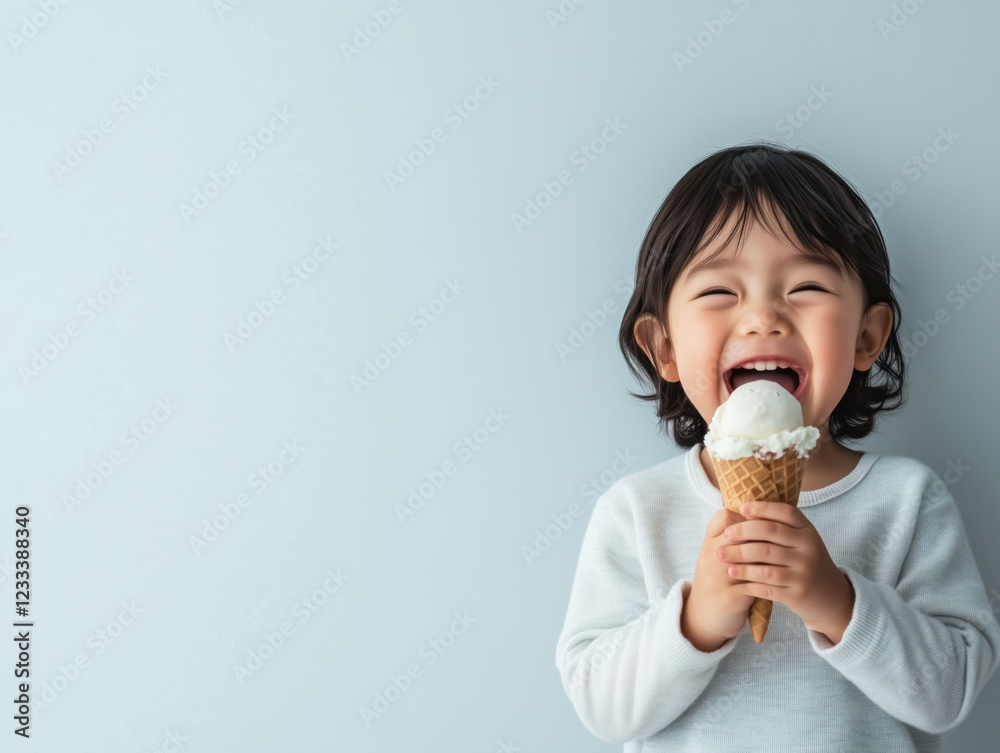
750	478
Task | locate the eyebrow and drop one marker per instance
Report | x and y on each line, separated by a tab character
720	262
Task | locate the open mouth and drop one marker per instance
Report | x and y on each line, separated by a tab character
789	376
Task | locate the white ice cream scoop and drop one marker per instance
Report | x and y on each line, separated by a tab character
759	418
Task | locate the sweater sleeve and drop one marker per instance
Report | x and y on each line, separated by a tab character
921	651
625	665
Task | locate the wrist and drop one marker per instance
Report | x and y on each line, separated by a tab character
692	628
834	622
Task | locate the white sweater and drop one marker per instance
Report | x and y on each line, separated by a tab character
921	643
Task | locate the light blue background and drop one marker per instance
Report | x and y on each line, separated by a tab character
494	347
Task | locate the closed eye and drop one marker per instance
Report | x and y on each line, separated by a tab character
807	286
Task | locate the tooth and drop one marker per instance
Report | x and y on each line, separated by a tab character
771	365
760	366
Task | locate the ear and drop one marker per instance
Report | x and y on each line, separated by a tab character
653	340
876	326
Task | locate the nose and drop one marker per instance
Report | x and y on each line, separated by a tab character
765	318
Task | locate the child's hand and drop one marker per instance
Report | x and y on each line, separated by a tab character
717	605
795	567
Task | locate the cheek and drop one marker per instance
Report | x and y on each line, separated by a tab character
832	344
698	358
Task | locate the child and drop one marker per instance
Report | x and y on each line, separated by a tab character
881	635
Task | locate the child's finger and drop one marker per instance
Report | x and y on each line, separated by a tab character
722	518
772	575
757	552
781	512
757	529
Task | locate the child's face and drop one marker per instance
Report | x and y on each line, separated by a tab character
765	302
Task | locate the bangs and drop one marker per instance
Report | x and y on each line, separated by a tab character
803	219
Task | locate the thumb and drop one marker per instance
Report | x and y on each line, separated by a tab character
721	520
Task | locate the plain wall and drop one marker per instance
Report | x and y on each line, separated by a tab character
215	473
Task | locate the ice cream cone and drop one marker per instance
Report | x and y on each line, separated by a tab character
750	478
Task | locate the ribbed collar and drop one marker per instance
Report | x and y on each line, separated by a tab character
704	487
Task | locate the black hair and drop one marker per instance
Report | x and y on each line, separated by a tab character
829	218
